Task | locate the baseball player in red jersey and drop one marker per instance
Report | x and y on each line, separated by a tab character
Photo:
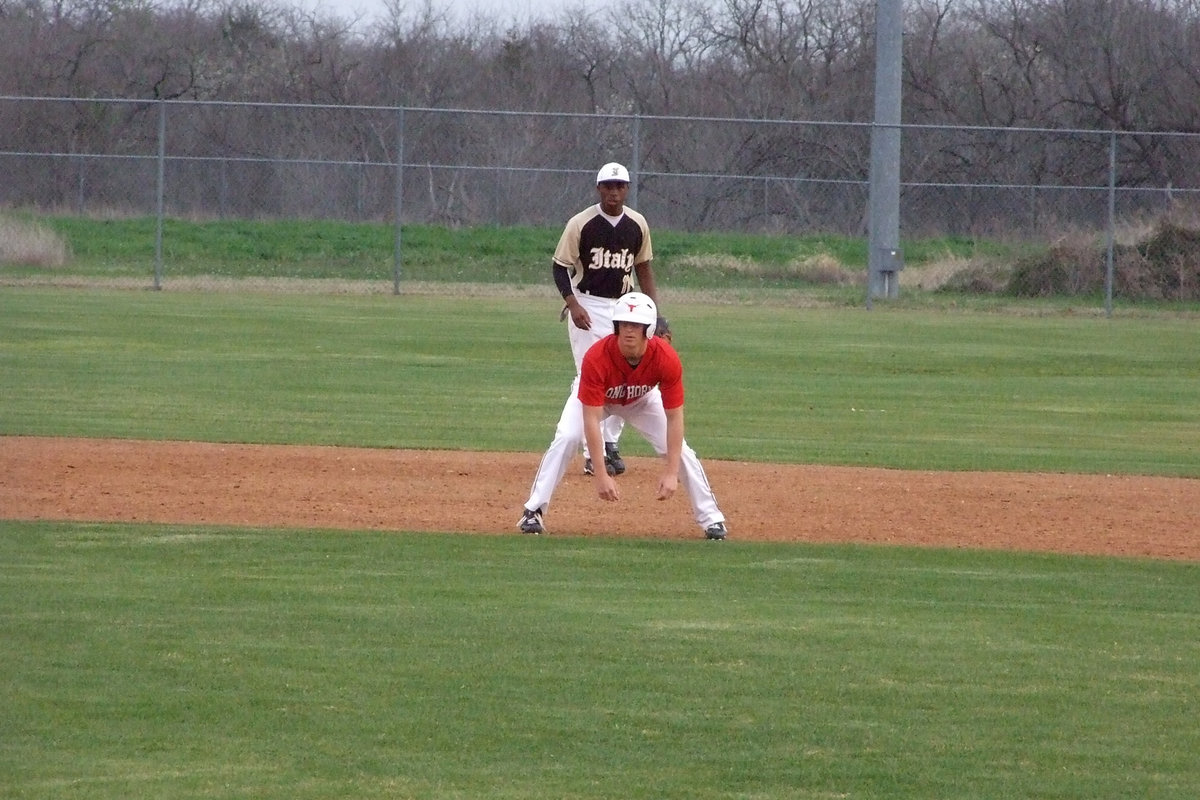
638	377
600	252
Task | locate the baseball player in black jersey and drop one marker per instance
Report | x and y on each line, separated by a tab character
601	251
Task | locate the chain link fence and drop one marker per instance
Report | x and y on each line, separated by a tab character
458	167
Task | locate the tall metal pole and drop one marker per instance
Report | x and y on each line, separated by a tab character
160	194
635	166
885	259
1111	225
398	198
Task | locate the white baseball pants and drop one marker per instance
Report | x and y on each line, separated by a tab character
601	310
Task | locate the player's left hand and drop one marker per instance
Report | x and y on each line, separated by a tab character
662	329
667	485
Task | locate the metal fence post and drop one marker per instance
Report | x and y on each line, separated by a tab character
399	200
1112	214
884	258
636	161
162	188
80	185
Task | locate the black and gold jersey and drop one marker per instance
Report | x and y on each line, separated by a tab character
600	255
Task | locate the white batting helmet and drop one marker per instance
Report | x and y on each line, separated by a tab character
636	307
612	171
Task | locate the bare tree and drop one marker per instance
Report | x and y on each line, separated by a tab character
639	71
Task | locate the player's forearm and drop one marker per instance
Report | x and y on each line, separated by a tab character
645	279
562	280
592	416
674	439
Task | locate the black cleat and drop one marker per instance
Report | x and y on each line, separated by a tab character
613	462
717	531
531	522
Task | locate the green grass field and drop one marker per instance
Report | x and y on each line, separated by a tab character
893	388
183	662
330	250
147	661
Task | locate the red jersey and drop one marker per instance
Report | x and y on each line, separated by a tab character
606	378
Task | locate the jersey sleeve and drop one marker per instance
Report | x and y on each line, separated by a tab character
671	375
567	252
592	380
646	251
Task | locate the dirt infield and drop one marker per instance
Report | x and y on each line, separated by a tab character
407	490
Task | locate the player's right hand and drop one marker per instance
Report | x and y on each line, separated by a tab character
606	487
581	318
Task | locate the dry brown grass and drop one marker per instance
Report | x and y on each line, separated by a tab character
30	244
820	269
935	275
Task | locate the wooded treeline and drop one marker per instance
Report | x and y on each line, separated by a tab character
1125	65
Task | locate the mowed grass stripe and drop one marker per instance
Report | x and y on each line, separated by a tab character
893	388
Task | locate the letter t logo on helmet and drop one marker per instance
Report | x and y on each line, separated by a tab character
636	307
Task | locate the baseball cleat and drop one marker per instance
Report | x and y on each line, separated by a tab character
531	522
716	531
612	459
587	467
